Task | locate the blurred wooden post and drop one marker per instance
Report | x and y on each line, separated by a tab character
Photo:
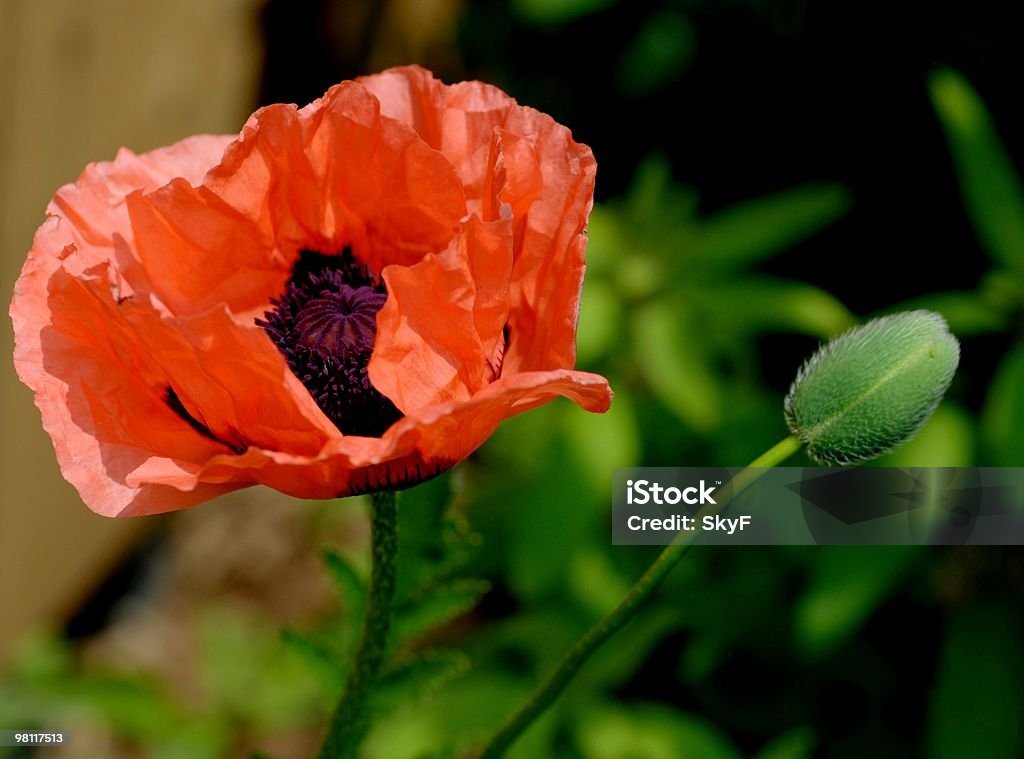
77	81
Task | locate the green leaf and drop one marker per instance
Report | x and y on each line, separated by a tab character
1002	420
439	605
415	678
755	230
1003	291
647	731
434	541
594	581
206	739
41	656
966	313
348	582
602	442
658	53
616	666
655	201
136	710
848	583
978	700
794	744
404	734
872	388
989	183
607	237
467	710
246	672
546	12
771	305
601	321
321	658
549	514
675	365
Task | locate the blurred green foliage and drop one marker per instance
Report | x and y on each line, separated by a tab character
557	11
250	682
782	653
979	686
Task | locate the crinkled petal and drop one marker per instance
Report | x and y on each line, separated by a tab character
420	445
199	253
337	173
514	162
102	400
441	330
101	369
90	216
94	204
548	181
459	429
232	379
459	120
412	95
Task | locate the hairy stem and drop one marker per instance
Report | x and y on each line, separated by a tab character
350	721
577	656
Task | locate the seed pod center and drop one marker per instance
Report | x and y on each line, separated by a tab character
325	324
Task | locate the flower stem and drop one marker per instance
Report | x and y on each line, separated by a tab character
778	453
577	656
350	721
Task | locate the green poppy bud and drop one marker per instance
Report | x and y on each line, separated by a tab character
872	388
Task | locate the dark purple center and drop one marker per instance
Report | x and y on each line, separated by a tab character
324	324
342	322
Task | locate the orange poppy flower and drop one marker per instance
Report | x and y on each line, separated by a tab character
344	297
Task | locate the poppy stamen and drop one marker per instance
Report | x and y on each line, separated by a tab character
325	324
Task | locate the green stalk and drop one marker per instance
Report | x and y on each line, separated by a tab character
350	721
585	647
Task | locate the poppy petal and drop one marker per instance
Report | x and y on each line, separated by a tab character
103	401
418	446
459	120
94	204
547	180
198	253
337	174
231	379
460	429
90	216
432	349
513	161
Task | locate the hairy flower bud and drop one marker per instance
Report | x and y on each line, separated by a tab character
872	388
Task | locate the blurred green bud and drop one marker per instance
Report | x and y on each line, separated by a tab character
872	388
